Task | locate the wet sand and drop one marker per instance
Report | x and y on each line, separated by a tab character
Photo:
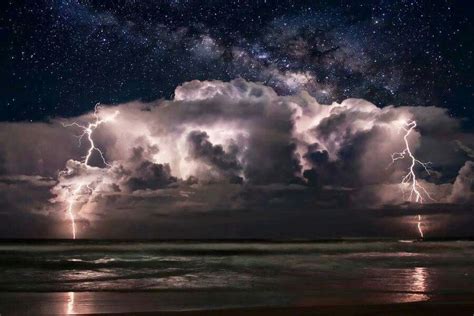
179	304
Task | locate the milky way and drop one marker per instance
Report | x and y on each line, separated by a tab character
63	57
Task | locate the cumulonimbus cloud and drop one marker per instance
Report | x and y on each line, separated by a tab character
239	145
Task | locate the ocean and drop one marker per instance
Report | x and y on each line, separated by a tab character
93	276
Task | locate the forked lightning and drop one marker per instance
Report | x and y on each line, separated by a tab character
417	191
86	131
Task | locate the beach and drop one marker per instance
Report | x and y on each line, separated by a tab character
133	304
346	277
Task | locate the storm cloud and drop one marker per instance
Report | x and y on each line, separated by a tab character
233	148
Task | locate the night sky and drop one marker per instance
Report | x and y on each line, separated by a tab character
59	58
236	119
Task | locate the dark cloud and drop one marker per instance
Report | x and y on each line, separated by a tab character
36	148
139	173
150	176
463	187
225	163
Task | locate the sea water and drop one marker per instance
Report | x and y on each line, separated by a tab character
194	275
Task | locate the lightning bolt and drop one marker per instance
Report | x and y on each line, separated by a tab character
70	211
87	131
417	191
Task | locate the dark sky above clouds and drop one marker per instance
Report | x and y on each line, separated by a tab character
59	57
245	119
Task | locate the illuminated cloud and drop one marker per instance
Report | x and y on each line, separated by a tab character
463	187
236	146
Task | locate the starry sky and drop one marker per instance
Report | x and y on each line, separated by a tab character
60	57
236	119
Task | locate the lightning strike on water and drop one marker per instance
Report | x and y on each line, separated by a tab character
409	180
70	210
86	131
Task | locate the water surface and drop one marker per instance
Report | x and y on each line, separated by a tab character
190	275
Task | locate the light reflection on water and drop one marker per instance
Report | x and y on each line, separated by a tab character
419	279
419	286
70	304
412	286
